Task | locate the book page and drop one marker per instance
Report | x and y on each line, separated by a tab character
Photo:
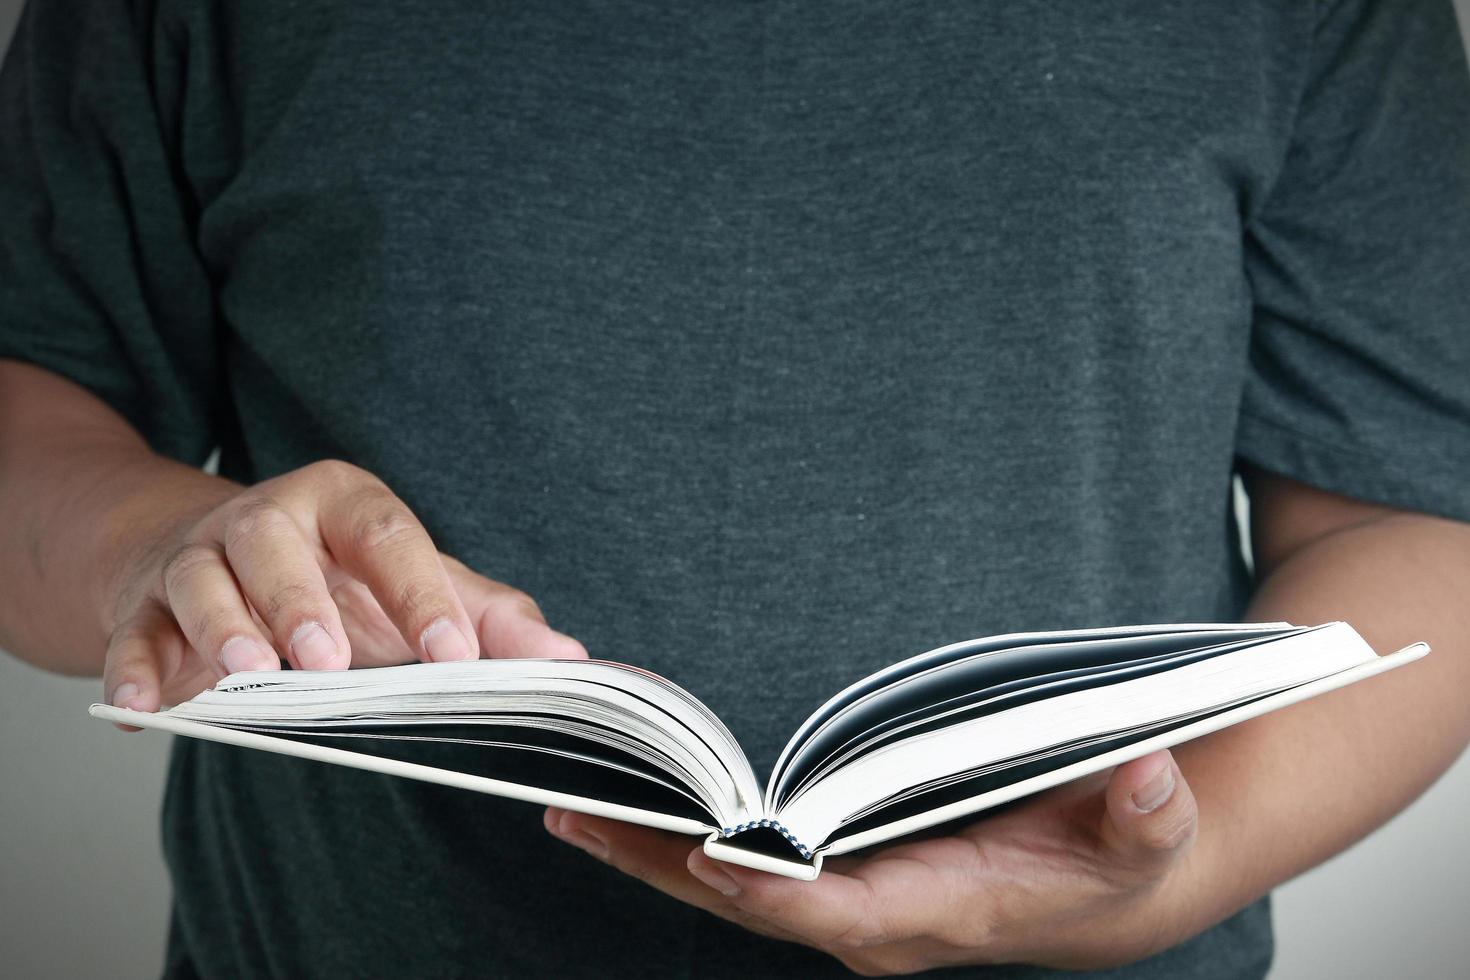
1193	689
598	702
928	680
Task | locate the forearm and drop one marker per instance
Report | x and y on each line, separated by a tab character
1285	792
80	490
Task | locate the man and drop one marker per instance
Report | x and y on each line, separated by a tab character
762	344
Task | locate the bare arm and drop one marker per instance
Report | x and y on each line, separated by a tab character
1286	791
116	561
79	489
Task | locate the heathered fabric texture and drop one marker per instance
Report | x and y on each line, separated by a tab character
762	342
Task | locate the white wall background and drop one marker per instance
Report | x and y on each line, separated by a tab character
83	891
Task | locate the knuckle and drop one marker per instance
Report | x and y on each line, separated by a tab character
417	601
863	933
209	625
187	560
254	517
967	932
334	472
130	639
867	929
1172	830
975	934
290	600
525	604
380	528
771	904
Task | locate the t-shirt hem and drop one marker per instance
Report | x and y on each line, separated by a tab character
1424	484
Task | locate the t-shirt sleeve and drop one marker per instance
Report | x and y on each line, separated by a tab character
99	279
1359	266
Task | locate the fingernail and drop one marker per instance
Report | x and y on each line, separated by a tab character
1155	793
443	641
578	837
314	648
716	879
128	696
245	653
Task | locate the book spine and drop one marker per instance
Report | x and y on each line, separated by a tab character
801	848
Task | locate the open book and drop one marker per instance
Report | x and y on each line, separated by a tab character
941	735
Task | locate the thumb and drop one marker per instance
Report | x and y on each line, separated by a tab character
1151	818
507	621
133	675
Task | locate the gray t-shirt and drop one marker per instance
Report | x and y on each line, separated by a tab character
762	342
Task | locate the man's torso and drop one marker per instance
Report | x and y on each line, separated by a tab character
762	343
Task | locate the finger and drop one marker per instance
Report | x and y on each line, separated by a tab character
376	538
507	621
136	661
885	900
206	603
884	903
658	859
278	571
654	857
1151	818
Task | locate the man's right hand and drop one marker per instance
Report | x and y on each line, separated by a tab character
324	568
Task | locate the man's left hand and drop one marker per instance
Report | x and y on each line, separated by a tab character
1089	875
